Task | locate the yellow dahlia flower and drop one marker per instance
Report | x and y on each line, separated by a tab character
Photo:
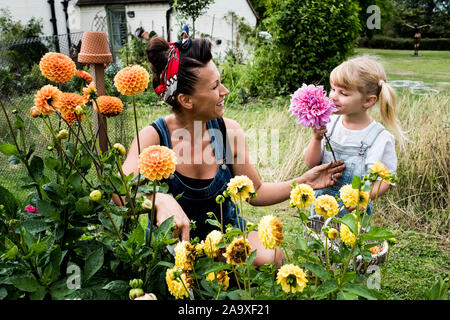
240	188
332	233
211	242
380	169
46	99
326	206
57	67
291	278
109	106
200	248
237	252
184	255
302	196
178	282
347	236
270	232
157	162
131	80
222	278
349	196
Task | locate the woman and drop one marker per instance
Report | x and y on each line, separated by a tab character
204	144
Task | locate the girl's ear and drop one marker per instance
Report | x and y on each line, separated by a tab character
185	101
370	101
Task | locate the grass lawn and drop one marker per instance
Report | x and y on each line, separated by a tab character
416	210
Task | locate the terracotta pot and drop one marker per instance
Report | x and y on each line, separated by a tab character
95	48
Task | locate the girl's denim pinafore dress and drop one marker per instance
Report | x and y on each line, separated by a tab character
196	203
354	159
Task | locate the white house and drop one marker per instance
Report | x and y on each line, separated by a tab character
118	18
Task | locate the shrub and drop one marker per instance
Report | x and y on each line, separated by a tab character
310	38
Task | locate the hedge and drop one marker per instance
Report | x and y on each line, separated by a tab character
383	42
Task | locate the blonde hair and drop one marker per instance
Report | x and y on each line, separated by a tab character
368	77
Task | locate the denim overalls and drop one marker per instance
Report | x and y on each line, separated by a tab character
196	203
354	159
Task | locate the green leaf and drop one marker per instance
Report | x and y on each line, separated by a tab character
11	253
350	221
213	222
118	287
301	243
83	205
39	294
3	293
25	283
47	210
319	271
51	163
342	295
356	182
143	220
19	124
93	263
35	225
359	290
37	167
377	233
9	202
8	149
327	147
327	287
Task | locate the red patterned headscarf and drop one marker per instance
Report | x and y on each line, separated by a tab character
169	77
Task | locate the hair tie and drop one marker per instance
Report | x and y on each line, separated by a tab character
380	83
168	80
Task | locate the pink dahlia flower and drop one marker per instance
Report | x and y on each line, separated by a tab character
32	209
311	106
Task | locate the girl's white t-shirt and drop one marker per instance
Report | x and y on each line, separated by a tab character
383	148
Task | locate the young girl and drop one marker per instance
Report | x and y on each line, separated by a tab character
356	86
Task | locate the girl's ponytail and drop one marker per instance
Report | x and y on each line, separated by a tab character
389	109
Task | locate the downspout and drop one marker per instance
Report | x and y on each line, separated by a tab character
168	12
65	4
53	21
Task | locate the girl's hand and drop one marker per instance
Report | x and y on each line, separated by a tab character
350	209
318	133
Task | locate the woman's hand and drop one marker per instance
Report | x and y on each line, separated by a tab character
318	133
166	207
324	175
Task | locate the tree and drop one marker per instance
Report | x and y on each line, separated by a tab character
192	9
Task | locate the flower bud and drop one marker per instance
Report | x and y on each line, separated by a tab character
136	283
332	234
14	111
79	110
147	204
147	296
95	195
63	134
34	112
49	148
120	148
135	293
220	199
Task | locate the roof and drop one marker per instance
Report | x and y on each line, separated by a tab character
82	3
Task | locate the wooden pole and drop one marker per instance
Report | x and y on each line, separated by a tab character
100	124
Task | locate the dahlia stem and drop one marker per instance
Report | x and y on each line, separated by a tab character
329	144
122	176
139	149
152	213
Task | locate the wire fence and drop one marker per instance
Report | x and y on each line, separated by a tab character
20	78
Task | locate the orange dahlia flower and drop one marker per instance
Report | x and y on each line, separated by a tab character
46	99
68	101
89	92
57	67
71	117
85	76
131	80
34	112
109	106
157	162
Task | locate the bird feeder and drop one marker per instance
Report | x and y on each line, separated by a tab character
95	52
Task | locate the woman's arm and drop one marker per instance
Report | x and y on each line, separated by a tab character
273	193
165	204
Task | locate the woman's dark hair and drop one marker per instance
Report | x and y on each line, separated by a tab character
196	56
